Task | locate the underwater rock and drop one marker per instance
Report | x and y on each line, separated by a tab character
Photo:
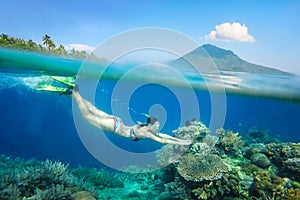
260	160
252	149
193	168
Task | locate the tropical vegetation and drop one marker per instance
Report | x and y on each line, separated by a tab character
48	46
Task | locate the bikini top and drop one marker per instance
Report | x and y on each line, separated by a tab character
117	122
133	135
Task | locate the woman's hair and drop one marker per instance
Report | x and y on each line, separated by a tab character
150	121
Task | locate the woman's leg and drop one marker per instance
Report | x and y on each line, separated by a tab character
87	108
93	115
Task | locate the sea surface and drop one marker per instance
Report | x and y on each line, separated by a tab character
40	124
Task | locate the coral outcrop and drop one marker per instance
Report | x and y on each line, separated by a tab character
192	130
193	168
230	142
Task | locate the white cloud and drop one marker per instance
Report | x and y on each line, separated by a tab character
80	47
230	32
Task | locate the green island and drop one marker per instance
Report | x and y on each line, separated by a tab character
48	47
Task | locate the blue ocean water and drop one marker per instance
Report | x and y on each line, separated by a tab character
39	124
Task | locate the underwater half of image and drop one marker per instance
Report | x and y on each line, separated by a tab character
245	148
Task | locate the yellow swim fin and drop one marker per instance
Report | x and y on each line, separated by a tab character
67	81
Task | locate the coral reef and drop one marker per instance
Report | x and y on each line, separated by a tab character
230	142
226	167
262	169
267	185
258	136
177	189
200	148
100	179
209	167
38	180
285	156
228	187
203	143
137	186
170	154
192	130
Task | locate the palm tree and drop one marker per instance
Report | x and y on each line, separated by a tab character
19	41
46	39
31	44
41	48
48	42
12	40
61	50
51	45
4	37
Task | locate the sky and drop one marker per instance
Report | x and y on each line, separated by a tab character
264	32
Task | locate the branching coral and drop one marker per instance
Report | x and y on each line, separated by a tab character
38	180
229	141
207	191
52	193
9	192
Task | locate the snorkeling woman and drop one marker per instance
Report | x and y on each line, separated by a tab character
114	124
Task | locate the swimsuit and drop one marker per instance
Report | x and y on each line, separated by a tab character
133	135
116	123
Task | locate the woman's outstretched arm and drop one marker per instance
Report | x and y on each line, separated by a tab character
169	140
166	136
